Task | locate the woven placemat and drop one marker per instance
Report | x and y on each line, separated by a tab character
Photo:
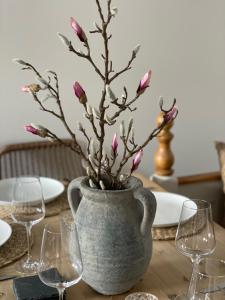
52	208
164	233
15	247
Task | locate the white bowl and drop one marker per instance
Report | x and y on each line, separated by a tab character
52	188
141	296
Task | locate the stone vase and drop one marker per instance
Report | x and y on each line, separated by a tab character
114	229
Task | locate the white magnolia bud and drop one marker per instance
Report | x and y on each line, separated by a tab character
91	159
81	52
88	171
91	183
79	126
96	113
122	129
89	109
64	39
102	185
41	80
130	124
110	93
19	61
136	49
114	11
109	120
92	146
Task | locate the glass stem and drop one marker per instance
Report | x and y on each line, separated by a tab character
61	293
193	281
28	230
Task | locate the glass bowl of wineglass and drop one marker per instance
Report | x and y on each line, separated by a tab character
60	259
195	237
28	209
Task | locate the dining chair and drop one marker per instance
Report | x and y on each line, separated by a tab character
42	158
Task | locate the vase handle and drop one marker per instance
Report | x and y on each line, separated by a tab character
146	197
74	195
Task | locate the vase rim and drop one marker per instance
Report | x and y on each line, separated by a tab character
133	183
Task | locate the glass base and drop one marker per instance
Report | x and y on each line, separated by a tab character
27	266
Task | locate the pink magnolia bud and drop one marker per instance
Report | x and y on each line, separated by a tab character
31	129
25	88
80	93
137	160
114	143
144	83
36	129
170	115
78	30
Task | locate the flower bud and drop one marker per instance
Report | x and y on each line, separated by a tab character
96	113
110	93
34	88
101	183
80	93
41	80
79	126
109	120
25	88
144	83
137	160
122	129
64	39
114	11
114	144
91	183
136	49
89	109
170	115
36	129
78	30
19	61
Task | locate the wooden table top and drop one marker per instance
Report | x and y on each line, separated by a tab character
168	273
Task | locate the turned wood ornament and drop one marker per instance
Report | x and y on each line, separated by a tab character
164	158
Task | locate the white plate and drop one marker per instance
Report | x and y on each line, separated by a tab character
168	210
52	188
5	232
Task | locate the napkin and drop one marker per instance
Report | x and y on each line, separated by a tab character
32	288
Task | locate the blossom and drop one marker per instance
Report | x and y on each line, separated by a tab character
25	88
114	143
80	93
36	129
170	115
144	83
34	88
78	30
137	160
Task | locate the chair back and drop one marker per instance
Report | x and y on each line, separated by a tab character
41	159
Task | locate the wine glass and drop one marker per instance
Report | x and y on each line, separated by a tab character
28	209
195	237
210	279
60	259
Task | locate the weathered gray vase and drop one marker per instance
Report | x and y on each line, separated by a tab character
114	229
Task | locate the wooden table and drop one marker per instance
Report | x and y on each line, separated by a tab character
168	273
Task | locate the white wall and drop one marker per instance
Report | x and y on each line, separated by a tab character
183	42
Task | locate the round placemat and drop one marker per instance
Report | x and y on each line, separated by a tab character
15	247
